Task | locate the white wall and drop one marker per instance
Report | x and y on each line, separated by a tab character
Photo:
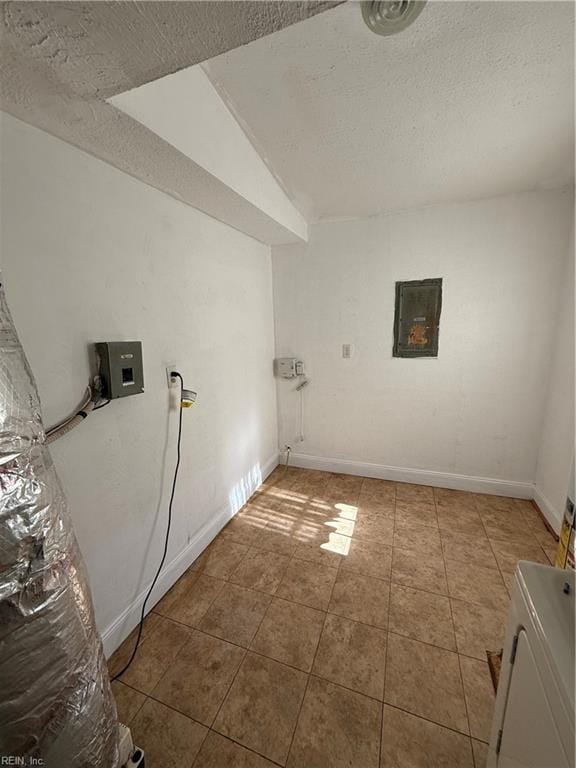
557	440
185	110
476	410
90	254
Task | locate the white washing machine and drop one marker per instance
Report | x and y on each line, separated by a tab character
533	725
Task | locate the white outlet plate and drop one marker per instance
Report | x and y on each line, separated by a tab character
171	382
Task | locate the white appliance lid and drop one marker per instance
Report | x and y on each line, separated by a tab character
552	610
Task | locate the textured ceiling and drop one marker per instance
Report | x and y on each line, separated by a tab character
475	99
103	47
59	61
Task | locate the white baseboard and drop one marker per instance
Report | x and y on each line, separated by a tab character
416	476
121	627
552	515
270	465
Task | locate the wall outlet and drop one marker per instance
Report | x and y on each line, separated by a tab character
172	382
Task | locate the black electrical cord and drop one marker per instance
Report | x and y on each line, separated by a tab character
101	405
174	375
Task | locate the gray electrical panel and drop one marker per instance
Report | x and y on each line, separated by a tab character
417	318
120	368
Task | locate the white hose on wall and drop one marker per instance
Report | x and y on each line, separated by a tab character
300	389
67	425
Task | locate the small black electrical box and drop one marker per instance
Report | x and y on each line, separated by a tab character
120	368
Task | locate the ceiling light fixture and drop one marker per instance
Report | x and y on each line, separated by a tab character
387	17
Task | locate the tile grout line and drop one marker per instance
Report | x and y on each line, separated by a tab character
502	579
276	596
299	669
165	672
381	739
246	651
210	728
295	522
491	539
140	644
225	697
433	722
242	746
458	656
294	556
146	697
212	600
309	674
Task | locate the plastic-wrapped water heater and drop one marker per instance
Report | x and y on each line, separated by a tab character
56	703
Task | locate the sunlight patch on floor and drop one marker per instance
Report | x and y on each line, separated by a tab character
337	543
347	511
304	515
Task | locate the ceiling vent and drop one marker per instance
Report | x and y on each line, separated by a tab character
387	17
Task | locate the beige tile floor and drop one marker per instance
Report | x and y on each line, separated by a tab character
336	621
